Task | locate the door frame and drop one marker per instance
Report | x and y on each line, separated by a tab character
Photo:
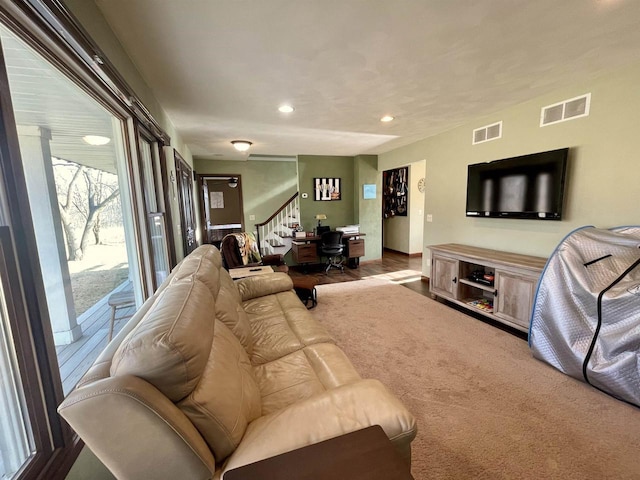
184	181
203	193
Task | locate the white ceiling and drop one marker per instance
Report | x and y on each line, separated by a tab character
220	68
43	97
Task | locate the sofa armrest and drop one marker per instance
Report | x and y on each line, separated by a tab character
261	285
136	431
334	412
273	259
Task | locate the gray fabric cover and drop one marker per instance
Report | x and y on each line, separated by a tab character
567	330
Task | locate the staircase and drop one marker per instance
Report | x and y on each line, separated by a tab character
275	234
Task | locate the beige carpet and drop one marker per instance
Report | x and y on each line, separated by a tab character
486	409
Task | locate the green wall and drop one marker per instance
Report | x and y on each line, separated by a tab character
338	212
266	185
91	18
368	213
602	187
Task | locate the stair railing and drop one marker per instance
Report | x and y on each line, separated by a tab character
278	226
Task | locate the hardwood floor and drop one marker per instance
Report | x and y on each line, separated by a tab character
401	268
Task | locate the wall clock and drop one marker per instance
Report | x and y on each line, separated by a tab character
421	185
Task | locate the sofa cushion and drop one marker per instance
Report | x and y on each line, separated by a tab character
280	325
170	347
332	413
227	398
204	264
230	312
302	374
262	285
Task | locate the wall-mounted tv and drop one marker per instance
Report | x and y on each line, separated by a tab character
530	186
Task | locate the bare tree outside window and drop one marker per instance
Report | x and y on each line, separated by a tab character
84	195
91	216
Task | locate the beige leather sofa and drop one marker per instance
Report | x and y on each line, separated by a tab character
212	374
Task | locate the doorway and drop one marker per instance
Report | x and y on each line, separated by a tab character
223	210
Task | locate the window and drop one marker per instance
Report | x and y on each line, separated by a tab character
16	439
68	188
75	168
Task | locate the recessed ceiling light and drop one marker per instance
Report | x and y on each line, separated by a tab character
241	145
386	118
286	108
96	140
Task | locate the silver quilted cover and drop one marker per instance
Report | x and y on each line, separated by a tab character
565	328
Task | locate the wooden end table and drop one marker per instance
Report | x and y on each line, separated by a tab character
366	454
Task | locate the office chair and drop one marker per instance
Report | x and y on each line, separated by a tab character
332	247
240	250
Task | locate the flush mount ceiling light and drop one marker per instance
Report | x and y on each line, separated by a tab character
286	108
233	182
387	118
241	145
96	140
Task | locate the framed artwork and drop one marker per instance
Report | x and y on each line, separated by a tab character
369	191
326	189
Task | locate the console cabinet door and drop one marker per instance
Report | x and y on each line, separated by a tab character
444	276
514	299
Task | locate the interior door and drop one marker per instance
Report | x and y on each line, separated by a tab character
184	176
222	206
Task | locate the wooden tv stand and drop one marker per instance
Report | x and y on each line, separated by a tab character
508	299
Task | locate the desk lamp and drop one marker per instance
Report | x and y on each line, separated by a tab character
320	217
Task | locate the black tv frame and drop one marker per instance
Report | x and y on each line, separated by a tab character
520	183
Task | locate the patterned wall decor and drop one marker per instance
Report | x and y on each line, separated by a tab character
326	189
395	192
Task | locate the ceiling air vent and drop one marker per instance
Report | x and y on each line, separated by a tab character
486	133
567	110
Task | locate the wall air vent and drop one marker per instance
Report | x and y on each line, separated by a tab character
273	158
486	133
566	110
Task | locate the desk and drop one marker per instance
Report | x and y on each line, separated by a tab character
307	250
362	455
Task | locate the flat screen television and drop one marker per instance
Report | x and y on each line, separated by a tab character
529	186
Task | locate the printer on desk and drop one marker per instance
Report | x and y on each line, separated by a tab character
349	229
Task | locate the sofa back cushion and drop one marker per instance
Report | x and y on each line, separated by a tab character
192	358
227	397
229	310
205	263
170	347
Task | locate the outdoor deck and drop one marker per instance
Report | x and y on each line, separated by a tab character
76	358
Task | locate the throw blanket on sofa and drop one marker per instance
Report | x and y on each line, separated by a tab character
248	247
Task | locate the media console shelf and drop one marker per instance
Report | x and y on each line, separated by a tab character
499	285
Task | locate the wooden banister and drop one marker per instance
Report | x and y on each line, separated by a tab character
284	205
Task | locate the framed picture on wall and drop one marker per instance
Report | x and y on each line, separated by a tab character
369	191
326	189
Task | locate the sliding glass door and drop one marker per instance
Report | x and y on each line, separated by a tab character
16	435
82	217
77	178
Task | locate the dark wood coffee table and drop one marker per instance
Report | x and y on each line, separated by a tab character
363	455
